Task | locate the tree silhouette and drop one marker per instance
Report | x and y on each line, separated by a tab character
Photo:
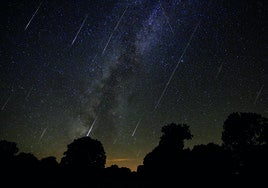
174	135
210	160
7	156
115	171
49	171
8	149
27	158
242	131
84	152
49	162
169	155
243	155
27	169
246	136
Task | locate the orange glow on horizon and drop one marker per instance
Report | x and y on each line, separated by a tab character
130	163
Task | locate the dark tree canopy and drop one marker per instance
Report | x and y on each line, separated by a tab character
174	135
84	152
244	130
8	149
49	162
114	170
169	154
26	160
210	160
243	155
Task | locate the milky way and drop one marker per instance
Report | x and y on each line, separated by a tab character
119	70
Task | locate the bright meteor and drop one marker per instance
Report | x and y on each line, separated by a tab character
90	129
79	29
29	22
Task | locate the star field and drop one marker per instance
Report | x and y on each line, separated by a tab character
99	68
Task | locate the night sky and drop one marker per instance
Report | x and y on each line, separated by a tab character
118	71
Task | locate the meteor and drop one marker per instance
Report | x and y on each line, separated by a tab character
136	127
172	74
92	125
219	71
79	29
115	28
258	94
164	12
33	16
44	131
3	107
29	93
176	67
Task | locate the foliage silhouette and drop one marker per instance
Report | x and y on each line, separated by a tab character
115	171
83	162
241	131
169	155
174	135
210	160
7	159
49	162
26	159
242	156
246	136
84	152
8	149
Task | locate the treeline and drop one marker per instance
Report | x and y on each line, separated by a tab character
242	156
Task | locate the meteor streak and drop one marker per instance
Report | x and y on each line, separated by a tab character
44	131
136	127
115	140
79	29
219	71
258	94
176	67
90	129
111	35
3	107
33	16
29	93
164	12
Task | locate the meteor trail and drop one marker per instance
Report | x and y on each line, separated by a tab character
44	131
258	94
29	93
176	67
90	129
219	71
115	140
3	107
110	37
164	12
136	127
79	29
138	154
33	16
